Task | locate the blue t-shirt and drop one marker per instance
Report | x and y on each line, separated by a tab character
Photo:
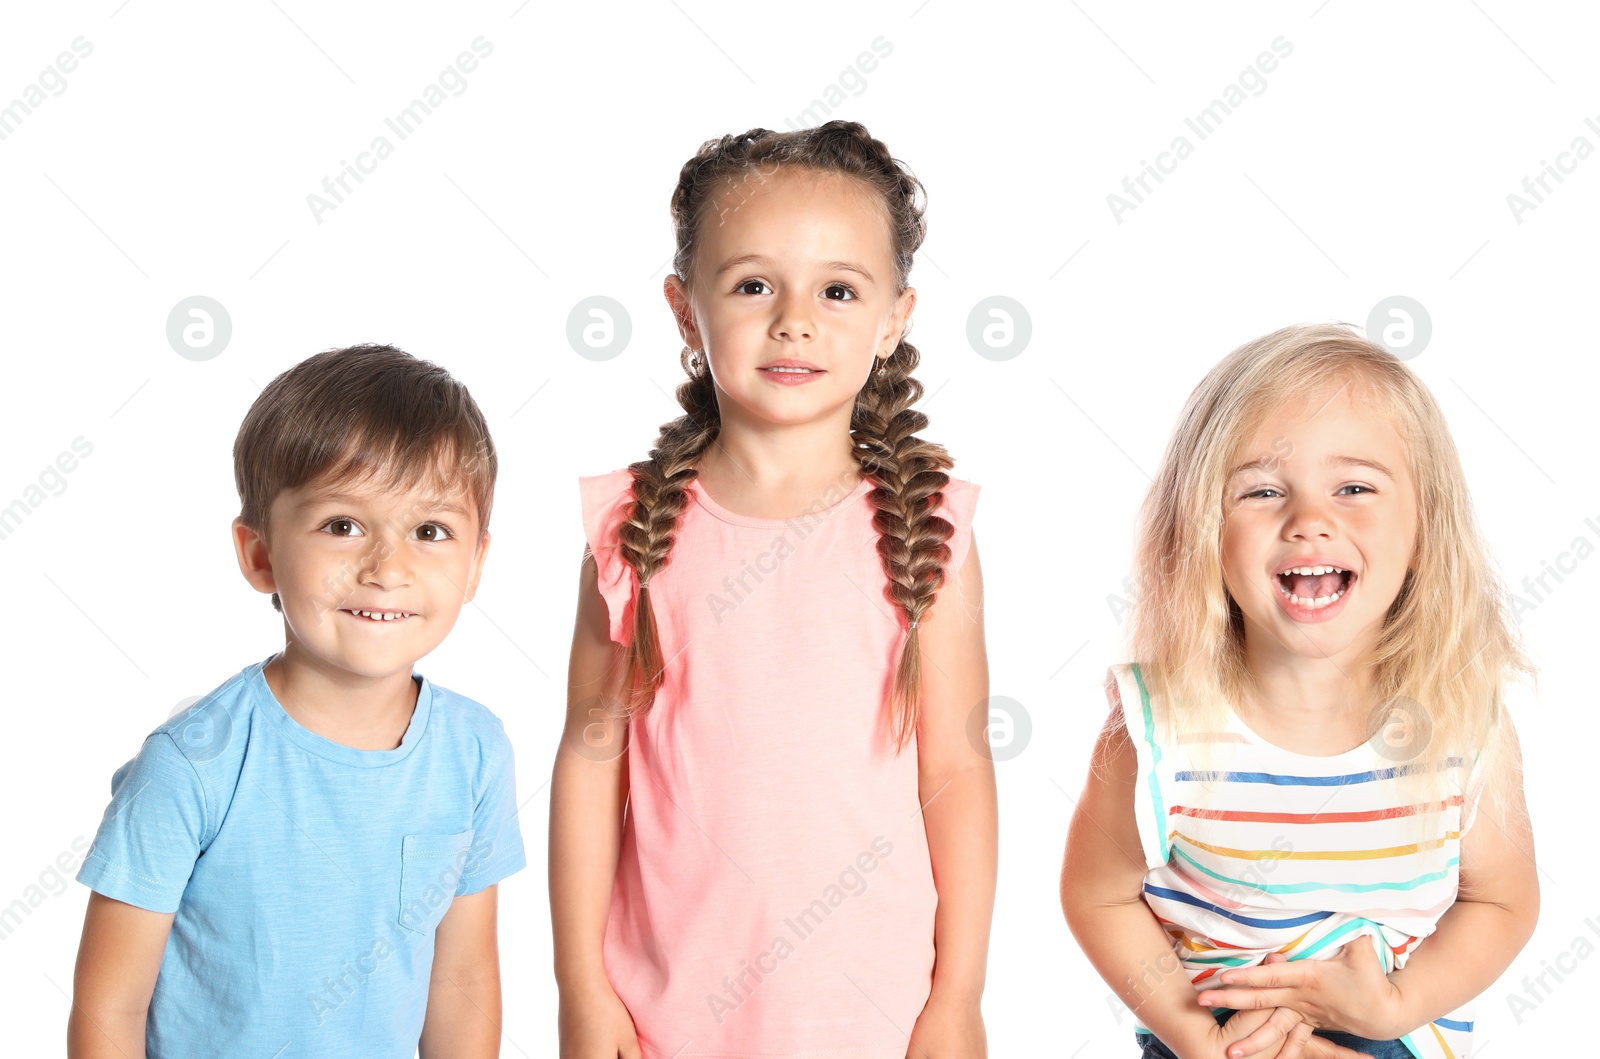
307	876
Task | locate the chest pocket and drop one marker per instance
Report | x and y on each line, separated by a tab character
430	871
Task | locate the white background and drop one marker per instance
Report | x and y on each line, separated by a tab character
178	160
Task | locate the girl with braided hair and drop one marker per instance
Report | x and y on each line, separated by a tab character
778	667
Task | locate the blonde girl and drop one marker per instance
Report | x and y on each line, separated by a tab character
1281	847
771	834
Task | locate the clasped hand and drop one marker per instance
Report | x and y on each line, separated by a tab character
1349	992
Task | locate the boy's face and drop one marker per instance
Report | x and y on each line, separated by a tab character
370	580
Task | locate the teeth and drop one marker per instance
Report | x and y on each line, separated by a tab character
1314	570
1309	604
793	371
379	615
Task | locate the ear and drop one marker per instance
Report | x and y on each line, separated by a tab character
900	318
682	311
254	562
477	567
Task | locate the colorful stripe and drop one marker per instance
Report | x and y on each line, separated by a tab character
1279	780
1190	899
1243	816
1337	887
1155	756
1318	854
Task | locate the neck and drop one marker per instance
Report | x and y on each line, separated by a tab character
343	707
800	459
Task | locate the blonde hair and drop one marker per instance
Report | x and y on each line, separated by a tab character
1447	643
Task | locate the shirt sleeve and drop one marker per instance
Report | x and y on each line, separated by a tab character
497	836
1138	713
960	500
606	499
152	832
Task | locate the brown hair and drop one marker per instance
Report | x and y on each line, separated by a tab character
365	412
908	472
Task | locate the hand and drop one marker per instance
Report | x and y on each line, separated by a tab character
1276	1033
948	1029
595	1024
1349	992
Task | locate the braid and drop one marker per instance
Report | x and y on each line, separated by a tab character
912	540
908	472
660	486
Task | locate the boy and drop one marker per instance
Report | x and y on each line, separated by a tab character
304	862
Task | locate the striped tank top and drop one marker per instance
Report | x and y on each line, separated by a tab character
1253	849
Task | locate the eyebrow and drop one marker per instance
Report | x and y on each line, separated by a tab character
334	496
1333	461
827	266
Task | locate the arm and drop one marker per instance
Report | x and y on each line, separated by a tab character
1102	895
587	793
119	957
955	780
1475	941
463	1015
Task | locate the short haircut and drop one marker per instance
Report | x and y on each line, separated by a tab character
364	413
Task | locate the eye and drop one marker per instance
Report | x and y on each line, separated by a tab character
740	289
433	531
1265	492
1356	485
849	291
343	527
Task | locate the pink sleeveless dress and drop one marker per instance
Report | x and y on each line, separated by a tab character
774	897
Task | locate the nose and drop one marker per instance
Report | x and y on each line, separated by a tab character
1308	517
387	561
793	320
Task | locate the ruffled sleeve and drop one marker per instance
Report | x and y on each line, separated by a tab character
605	499
960	500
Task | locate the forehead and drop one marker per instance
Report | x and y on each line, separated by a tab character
795	215
1340	419
421	491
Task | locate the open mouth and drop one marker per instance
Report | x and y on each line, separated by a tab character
381	615
1314	587
794	371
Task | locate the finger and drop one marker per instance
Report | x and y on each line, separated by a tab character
1274	974
1275	957
1267	1036
1242	998
1294	1046
1322	1048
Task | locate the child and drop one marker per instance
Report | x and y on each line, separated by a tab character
304	863
808	822
1291	774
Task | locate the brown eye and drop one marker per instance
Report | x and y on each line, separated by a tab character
432	531
343	527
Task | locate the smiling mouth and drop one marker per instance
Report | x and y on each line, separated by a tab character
1314	587
794	371
381	615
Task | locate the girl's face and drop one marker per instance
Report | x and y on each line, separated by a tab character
794	270
1319	528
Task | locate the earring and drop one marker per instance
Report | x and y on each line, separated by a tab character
691	358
